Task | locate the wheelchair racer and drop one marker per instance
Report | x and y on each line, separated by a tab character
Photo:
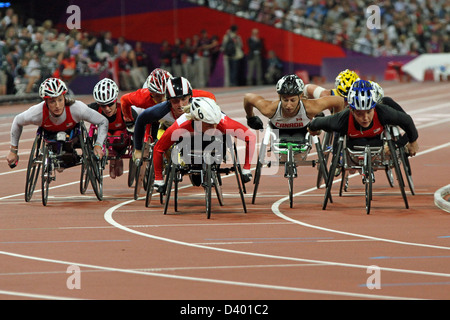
364	121
178	95
343	82
57	112
204	117
105	95
292	112
153	93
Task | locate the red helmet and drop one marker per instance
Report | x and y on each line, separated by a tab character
156	81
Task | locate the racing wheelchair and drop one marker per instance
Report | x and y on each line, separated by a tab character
119	146
54	152
291	154
204	168
366	160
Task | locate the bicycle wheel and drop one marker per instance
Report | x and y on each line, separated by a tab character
46	174
34	167
368	175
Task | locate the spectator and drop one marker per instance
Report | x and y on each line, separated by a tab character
176	56
254	58
165	56
204	63
274	68
232	47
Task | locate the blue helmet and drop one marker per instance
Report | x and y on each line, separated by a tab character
361	95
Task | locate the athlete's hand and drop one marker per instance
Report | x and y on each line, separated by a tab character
12	159
98	152
255	123
412	147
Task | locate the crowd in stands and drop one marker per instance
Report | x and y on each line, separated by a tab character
29	53
407	27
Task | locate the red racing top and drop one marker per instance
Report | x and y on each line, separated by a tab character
226	125
50	126
374	131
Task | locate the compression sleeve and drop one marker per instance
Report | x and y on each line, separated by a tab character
80	111
31	116
148	116
140	98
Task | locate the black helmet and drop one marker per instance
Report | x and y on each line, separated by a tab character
178	87
291	85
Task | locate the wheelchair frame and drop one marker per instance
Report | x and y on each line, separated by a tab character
209	172
290	154
47	156
366	160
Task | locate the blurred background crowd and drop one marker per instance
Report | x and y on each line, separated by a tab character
31	52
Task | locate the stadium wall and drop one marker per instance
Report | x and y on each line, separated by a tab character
153	21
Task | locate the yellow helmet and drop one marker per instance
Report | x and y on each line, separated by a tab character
344	81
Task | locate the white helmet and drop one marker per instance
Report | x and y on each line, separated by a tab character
52	88
156	81
106	91
379	92
361	95
205	110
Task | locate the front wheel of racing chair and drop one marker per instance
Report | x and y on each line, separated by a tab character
334	164
368	177
323	152
46	174
92	167
142	168
34	166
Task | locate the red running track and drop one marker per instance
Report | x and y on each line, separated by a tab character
126	251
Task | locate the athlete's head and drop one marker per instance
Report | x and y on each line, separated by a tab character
105	94
156	83
290	88
361	99
179	93
344	81
207	111
53	91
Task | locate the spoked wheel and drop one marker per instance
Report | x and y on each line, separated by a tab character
34	167
368	175
389	176
46	174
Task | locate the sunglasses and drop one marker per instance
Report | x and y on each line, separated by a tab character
107	105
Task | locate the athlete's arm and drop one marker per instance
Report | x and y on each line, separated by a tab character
148	116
